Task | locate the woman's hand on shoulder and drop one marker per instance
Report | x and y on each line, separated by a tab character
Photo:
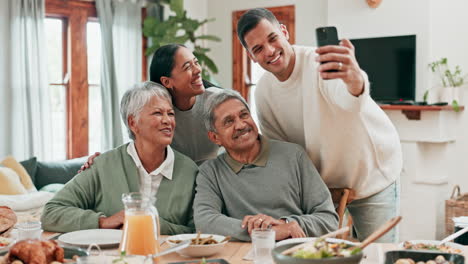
89	162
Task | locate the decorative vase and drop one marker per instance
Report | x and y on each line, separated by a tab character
449	94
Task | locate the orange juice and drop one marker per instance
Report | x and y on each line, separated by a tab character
140	236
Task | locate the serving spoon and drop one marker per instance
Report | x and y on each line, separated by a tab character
374	236
378	233
179	246
453	236
305	244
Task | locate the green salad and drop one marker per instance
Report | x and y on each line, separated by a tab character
323	249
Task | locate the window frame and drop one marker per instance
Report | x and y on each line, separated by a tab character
75	15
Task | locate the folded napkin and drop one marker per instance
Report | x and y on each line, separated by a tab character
25	202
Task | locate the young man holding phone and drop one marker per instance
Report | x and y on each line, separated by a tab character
326	108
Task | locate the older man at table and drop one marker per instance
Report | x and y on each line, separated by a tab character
257	182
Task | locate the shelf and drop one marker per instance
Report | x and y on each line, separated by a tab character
413	112
424	123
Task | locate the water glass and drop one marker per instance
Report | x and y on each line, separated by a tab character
29	230
263	241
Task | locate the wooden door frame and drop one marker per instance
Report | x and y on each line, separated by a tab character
240	61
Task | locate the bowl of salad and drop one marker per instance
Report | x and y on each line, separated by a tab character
319	252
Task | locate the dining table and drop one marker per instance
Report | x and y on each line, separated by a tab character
235	252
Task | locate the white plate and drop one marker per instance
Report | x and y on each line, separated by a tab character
433	242
104	238
307	239
197	251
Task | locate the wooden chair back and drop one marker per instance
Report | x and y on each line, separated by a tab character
342	197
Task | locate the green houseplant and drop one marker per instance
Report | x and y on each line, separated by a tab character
451	81
179	28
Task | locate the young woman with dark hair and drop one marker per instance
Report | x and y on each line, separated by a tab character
175	67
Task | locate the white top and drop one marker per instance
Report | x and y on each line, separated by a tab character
149	182
349	139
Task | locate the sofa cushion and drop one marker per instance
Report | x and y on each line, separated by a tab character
11	183
57	171
30	165
24	177
52	188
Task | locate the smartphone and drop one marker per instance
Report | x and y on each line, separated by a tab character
327	36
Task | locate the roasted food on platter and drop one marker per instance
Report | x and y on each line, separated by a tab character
322	249
198	240
34	251
438	260
7	219
425	246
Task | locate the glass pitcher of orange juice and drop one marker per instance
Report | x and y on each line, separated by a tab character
141	226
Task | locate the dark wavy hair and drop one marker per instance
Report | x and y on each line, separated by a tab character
163	62
250	20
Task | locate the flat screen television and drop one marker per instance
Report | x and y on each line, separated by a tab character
390	63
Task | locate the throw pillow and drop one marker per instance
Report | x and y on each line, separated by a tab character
57	171
52	188
31	167
25	179
11	183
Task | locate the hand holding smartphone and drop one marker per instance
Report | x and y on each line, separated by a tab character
327	36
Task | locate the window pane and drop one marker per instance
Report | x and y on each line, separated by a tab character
93	36
57	93
53	31
58	115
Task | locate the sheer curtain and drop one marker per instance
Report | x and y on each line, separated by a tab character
26	131
120	23
127	36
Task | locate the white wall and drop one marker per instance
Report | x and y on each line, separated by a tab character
4	75
449	38
309	15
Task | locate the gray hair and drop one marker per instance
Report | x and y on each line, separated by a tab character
137	97
214	100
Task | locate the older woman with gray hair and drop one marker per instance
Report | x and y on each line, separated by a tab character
147	165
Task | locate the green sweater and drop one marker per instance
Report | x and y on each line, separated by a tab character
97	192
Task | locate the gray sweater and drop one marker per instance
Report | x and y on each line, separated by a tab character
281	182
191	136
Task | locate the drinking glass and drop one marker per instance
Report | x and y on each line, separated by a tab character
29	230
263	241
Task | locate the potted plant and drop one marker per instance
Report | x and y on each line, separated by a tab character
178	28
451	81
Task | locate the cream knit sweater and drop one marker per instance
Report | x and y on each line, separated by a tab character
349	139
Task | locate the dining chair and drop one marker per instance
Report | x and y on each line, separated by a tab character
341	198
